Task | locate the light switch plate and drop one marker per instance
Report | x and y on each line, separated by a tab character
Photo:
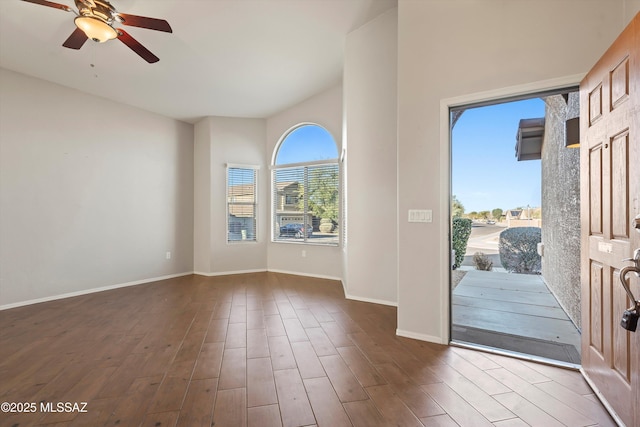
420	215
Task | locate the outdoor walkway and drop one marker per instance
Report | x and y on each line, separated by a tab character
514	312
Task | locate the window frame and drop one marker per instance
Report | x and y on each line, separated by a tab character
337	162
254	203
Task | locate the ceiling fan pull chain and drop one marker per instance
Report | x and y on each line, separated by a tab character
93	61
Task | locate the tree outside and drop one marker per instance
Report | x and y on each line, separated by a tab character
457	208
322	195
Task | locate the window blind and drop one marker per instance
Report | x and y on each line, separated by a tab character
307	204
241	204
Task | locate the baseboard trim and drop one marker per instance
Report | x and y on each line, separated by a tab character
92	290
228	273
421	337
371	300
297	273
210	274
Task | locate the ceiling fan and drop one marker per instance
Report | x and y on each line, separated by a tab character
95	20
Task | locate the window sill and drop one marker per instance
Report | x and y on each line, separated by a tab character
307	243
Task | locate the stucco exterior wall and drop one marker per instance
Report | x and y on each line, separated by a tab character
561	206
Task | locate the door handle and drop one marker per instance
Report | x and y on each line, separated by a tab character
636	262
630	316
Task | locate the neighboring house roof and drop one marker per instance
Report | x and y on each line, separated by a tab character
241	198
514	213
242	211
241	190
280	186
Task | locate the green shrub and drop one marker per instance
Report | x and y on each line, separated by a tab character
519	250
461	233
482	262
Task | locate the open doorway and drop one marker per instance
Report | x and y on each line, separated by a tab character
515	282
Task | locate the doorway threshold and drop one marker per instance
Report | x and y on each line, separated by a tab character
517	355
552	350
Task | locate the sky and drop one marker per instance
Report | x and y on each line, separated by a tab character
485	172
306	144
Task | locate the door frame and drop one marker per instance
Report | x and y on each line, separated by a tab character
445	169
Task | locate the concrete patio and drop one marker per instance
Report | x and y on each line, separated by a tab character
513	312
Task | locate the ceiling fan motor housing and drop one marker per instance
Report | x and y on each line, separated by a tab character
100	9
95	18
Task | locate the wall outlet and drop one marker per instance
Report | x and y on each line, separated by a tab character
304	253
168	255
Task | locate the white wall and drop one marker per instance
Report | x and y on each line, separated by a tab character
202	197
219	141
630	8
370	93
92	193
324	109
449	49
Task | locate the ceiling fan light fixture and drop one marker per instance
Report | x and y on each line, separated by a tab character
96	29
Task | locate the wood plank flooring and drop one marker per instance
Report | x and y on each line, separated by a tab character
263	350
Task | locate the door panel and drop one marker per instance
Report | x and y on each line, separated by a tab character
596	343
595	189
610	199
620	221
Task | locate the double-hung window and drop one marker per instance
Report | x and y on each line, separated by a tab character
306	187
242	203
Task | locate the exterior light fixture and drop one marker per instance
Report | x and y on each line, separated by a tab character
572	133
96	29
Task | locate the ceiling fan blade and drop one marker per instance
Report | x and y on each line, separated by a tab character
76	39
135	46
144	22
51	4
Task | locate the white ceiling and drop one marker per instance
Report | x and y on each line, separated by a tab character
235	58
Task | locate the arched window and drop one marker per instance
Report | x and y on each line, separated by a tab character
306	187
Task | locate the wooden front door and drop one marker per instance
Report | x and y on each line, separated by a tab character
610	199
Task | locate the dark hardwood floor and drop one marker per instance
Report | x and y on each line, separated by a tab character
261	349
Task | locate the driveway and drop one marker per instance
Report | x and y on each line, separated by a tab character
484	238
